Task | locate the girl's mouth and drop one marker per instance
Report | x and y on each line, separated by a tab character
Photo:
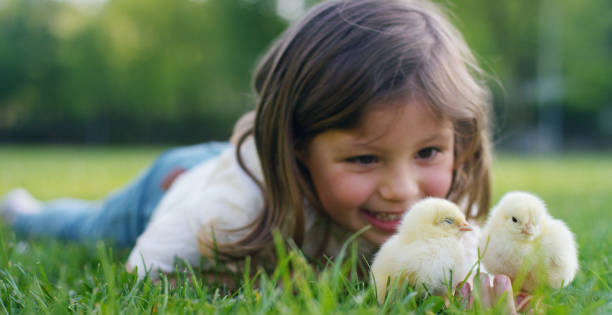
385	221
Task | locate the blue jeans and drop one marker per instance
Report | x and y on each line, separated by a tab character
123	215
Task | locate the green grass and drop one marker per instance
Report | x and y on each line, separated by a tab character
50	276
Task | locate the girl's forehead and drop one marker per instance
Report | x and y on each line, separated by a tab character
382	117
397	123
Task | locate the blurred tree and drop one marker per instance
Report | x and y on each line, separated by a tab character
27	60
587	52
179	71
136	70
507	36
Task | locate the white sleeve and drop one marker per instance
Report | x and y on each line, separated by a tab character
217	193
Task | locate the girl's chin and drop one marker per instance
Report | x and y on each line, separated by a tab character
375	237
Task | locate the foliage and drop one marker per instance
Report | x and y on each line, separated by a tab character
524	43
50	276
148	71
179	71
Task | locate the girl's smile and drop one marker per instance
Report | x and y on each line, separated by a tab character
387	221
370	175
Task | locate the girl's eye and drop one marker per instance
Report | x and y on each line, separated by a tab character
363	159
427	153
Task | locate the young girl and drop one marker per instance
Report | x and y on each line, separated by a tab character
364	107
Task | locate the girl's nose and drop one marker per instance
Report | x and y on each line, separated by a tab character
399	185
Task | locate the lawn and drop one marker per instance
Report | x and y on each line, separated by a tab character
49	276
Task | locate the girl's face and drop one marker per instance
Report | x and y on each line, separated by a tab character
372	174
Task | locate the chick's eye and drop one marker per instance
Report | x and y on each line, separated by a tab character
514	219
428	153
448	220
363	159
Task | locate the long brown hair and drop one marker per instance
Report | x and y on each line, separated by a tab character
330	67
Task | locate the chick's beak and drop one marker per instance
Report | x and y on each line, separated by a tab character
465	227
527	229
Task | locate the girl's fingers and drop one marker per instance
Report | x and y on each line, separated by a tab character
523	301
502	288
485	291
465	294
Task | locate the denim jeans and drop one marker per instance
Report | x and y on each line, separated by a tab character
123	215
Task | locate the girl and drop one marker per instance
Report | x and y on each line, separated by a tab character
364	107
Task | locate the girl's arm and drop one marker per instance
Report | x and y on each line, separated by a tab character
216	194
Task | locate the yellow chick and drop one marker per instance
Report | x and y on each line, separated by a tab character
425	249
527	244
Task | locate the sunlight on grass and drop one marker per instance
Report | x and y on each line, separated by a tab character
51	276
83	172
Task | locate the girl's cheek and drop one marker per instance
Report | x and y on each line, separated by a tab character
437	183
351	189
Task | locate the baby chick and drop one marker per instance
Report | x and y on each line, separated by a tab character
527	244
425	249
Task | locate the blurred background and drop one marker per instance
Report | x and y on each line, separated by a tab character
177	72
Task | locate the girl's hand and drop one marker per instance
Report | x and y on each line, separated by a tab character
492	292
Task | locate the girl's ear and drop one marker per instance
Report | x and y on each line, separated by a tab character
301	152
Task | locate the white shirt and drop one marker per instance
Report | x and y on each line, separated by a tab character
219	194
216	193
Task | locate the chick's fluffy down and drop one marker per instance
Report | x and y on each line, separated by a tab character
425	262
426	249
522	241
560	251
